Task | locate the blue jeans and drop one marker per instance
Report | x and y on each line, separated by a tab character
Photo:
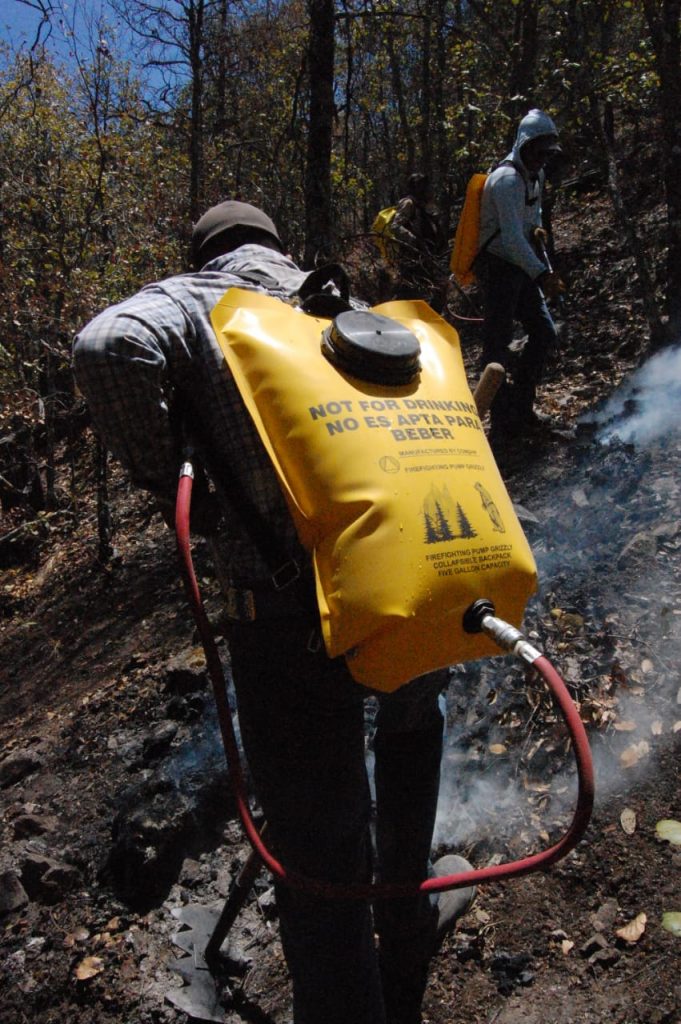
511	295
302	724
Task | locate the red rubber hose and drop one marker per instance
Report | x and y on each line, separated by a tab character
372	891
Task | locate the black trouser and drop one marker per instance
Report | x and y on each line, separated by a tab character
301	717
511	295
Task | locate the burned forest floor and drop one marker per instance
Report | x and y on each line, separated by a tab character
114	799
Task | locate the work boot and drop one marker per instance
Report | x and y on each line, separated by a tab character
454	903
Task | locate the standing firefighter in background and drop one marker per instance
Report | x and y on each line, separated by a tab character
515	273
140	365
416	230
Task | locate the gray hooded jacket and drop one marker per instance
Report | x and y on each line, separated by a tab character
511	201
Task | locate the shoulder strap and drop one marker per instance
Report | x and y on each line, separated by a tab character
529	201
284	570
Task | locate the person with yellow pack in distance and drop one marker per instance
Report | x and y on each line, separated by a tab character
516	276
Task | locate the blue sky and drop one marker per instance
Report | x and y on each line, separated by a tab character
19	24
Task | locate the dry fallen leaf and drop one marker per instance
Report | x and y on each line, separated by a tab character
656	727
79	935
90	967
628	821
535	786
671	921
566	945
197	657
633	754
670	830
676	727
497	748
647	665
625	726
570	620
633	930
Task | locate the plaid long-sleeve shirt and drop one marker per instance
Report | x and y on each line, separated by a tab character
139	361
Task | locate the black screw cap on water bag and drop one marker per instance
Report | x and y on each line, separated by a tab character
473	616
372	347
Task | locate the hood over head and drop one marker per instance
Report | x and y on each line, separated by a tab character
534	125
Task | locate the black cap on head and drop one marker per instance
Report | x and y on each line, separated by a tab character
418	183
233	217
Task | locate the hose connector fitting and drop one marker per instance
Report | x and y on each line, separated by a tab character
480	618
504	635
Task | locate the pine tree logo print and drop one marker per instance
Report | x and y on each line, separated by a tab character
443	518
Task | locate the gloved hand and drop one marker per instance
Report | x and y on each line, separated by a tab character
540	237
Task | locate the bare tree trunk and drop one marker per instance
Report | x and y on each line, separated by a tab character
525	49
604	126
442	154
104	531
426	98
320	62
663	23
398	89
221	84
195	23
50	397
349	99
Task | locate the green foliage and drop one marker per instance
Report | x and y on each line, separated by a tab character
89	205
100	176
96	175
255	109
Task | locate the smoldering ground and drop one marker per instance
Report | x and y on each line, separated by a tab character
607	543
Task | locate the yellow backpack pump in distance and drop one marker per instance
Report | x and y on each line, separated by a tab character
467	239
382	233
390	480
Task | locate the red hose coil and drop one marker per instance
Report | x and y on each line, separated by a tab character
376	890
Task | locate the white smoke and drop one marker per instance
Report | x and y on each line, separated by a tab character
588	523
646	407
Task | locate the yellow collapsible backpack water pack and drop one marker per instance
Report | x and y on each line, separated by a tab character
467	238
392	485
382	235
